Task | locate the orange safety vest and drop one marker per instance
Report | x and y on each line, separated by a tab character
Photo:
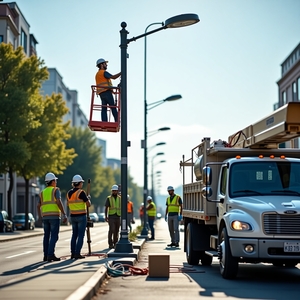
141	211
76	205
129	207
102	81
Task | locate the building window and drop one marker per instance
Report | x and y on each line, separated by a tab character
294	91
283	98
24	40
298	83
1	38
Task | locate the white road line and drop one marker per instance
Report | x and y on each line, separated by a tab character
24	253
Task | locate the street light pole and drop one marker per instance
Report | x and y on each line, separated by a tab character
174	22
144	231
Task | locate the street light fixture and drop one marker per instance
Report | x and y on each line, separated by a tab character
156	103
123	244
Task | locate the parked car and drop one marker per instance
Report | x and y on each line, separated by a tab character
101	217
19	221
94	217
5	223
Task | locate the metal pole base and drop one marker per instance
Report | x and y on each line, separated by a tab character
124	246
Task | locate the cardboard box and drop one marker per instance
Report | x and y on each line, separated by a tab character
159	265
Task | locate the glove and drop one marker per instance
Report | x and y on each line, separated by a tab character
89	197
166	218
179	218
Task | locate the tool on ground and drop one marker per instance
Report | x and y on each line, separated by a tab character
89	222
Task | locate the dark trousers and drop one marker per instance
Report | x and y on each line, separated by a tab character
151	225
107	99
113	231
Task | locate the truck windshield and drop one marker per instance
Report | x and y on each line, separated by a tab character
264	178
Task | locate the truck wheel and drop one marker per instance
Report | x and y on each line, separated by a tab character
228	264
206	260
192	256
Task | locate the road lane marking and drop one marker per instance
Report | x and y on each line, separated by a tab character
24	253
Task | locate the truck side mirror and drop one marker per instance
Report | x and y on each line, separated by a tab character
207	175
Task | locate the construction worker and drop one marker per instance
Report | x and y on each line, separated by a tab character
103	79
112	216
78	202
49	210
151	212
130	218
173	216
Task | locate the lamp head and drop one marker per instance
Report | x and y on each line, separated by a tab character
182	21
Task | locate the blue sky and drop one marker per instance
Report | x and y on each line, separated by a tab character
225	67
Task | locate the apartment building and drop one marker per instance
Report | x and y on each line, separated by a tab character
289	84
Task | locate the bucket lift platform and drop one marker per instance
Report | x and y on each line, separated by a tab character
95	123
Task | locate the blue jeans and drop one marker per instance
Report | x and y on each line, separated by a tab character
107	99
51	230
78	231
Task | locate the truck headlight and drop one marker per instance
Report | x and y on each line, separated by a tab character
238	225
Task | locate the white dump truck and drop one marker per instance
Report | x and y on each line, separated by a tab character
242	202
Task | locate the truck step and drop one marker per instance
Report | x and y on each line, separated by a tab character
212	253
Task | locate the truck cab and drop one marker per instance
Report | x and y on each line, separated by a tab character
244	205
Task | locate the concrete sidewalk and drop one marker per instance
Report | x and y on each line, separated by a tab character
65	279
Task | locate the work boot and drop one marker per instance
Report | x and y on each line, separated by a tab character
53	258
171	245
72	256
78	256
176	245
45	258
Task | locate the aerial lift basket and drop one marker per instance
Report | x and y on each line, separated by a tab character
95	123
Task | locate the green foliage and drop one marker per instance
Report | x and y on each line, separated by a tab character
87	162
20	80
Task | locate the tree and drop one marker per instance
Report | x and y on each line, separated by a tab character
47	144
87	163
20	81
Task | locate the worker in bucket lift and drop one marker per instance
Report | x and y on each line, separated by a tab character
103	79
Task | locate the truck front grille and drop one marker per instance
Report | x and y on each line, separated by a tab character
281	224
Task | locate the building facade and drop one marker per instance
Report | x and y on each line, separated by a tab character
289	84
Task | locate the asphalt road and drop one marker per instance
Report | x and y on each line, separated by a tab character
22	255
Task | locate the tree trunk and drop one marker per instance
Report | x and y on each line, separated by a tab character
9	191
26	202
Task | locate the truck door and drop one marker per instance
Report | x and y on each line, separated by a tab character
222	193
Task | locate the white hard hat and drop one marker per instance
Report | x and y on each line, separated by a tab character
149	198
128	197
170	188
100	61
77	178
114	188
49	177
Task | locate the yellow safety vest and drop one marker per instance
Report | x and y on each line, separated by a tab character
115	205
174	205
49	205
76	205
102	81
152	211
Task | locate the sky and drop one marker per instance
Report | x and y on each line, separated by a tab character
225	67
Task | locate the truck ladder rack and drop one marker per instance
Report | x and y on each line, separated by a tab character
280	126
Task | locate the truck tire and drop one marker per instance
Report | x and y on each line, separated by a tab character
228	264
206	260
192	256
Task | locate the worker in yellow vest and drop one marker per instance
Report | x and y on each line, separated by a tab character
113	216
103	79
78	201
130	217
151	212
173	216
49	210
